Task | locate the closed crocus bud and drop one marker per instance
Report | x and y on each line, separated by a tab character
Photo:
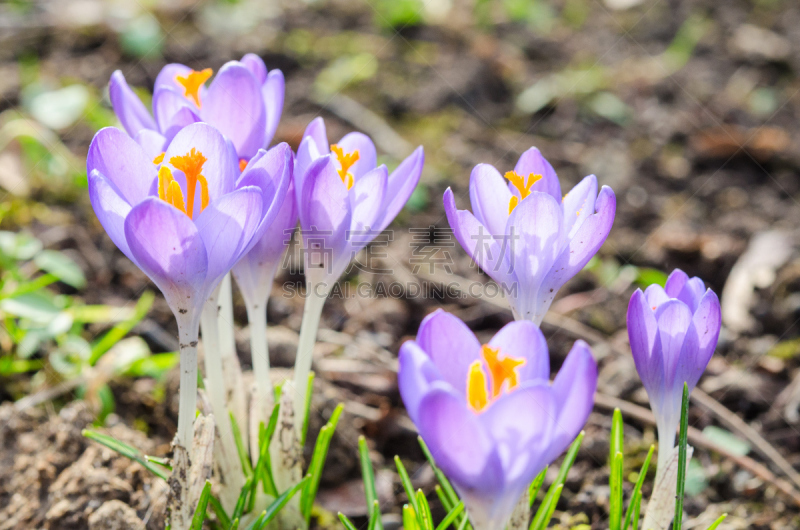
525	235
673	332
489	413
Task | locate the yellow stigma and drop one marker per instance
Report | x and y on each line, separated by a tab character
501	369
159	158
523	186
192	82
346	161
170	191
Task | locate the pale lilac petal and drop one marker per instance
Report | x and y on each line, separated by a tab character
173	112
707	321
581	246
273	93
122	161
532	161
316	131
457	440
535	235
524	340
675	283
579	204
674	319
478	243
306	154
643	334
234	106
490	198
451	345
256	65
690	366
111	210
153	143
227	227
687	290
415	375
655	296
130	110
167	247
271	171
366	206
573	388
520	424
367	156
402	182
221	168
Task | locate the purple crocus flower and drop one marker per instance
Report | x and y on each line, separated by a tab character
344	200
489	413
527	237
673	332
187	222
244	102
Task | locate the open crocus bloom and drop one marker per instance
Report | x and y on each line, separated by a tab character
244	102
343	200
187	222
673	332
524	235
489	413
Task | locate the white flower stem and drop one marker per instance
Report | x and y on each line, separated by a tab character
316	294
666	444
187	339
259	348
227	341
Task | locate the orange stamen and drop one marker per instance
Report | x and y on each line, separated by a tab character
501	369
191	164
192	82
523	186
242	164
159	158
477	394
346	161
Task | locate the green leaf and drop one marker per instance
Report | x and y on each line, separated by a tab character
346	522
36	306
407	486
536	485
202	504
19	246
424	515
718	522
126	451
545	511
440	477
451	516
678	521
62	267
318	462
241	502
278	504
309	394
243	455
155	365
368	476
409	518
547	508
375	517
616	462
637	491
727	439
121	329
222	516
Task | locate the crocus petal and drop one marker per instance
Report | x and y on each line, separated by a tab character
581	246
674	318
256	65
532	161
235	107
458	441
130	110
689	367
521	423
402	182
111	210
707	321
367	156
316	131
227	227
643	333
687	290
478	242
655	296
366	203
489	197
534	234
524	340
573	388
306	154
122	161
415	375
167	247
273	92
153	143
579	204
221	168
173	112
451	345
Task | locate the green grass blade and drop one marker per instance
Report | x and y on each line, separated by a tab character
264	440
375	516
616	463
678	521
719	520
637	506
406	480
536	485
126	451
235	524
424	516
451	516
409	518
244	457
115	334
202	504
318	462
278	504
241	502
541	518
451	494
369	478
346	522
464	524
222	516
637	489
309	392
442	498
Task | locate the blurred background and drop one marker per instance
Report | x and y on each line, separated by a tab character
686	108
